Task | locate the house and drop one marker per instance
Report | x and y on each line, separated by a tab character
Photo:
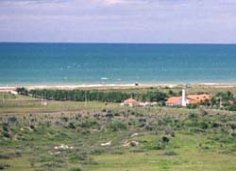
189	99
130	102
197	99
178	100
174	101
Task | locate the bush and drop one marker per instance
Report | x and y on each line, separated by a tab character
203	125
232	107
169	131
192	106
117	125
166	139
89	123
80	156
216	125
71	125
97	151
170	153
193	116
160	146
149	127
232	125
5	131
22	91
12	119
5	127
4	166
75	169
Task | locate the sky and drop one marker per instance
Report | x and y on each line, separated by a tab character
118	21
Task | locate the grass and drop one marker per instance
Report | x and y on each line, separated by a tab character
24	104
36	133
153	161
188	156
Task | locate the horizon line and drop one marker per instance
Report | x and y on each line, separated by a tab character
148	43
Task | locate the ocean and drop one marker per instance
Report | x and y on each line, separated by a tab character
71	63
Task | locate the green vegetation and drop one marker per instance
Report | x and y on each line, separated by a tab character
224	100
92	95
175	142
221	100
102	136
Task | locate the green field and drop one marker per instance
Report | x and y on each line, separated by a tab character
69	136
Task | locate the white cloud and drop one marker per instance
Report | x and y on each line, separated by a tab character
115	2
112	1
131	20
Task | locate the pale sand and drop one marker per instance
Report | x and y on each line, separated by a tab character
117	86
98	86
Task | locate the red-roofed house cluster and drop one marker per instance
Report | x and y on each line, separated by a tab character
189	99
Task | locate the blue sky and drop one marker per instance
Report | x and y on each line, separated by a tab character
132	21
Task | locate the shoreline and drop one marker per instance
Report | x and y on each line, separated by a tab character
114	86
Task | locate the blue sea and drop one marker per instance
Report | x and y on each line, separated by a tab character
71	63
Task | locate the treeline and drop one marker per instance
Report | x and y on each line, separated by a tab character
224	100
93	95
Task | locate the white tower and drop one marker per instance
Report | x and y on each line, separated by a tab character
183	100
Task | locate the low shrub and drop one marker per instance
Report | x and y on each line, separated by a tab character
4	166
192	106
75	169
170	153
12	120
80	156
97	151
89	123
71	125
117	125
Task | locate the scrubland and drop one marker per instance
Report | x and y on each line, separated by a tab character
101	136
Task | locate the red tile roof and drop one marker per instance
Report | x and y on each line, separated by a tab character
173	101
130	101
192	99
196	99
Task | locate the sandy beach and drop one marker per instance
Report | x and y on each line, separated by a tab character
116	86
